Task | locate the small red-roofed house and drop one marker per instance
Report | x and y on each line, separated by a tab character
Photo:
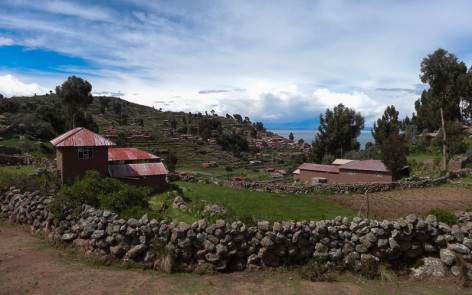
79	150
308	171
364	171
3	119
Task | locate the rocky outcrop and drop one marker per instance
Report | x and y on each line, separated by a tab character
235	246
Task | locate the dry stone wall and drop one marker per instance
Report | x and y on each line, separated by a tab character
234	246
277	187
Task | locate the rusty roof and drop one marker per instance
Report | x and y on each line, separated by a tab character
341	161
319	167
365	165
136	170
122	154
80	136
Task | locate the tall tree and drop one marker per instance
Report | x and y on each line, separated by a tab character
393	152
445	76
337	132
75	94
386	125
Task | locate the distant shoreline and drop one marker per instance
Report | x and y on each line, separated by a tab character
309	135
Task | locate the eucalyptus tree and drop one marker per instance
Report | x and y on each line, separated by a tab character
337	132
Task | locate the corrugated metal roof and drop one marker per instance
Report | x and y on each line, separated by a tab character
80	136
319	167
341	161
136	170
123	154
365	165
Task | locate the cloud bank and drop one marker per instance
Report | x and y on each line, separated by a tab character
272	61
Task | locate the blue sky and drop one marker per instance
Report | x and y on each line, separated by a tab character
274	61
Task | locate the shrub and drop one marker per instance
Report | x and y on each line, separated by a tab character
43	183
370	269
316	270
104	193
443	216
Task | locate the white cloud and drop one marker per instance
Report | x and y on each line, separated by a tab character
6	41
11	86
293	59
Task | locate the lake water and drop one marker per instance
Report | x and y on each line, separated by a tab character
309	135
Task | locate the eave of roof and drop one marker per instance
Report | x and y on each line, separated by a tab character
80	137
365	165
136	170
124	154
319	168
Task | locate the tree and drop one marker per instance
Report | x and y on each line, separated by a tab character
386	125
445	76
455	139
173	123
337	132
76	95
238	117
290	136
393	152
228	169
171	161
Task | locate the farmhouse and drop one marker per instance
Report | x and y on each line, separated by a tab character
3	119
308	171
346	171
80	149
364	171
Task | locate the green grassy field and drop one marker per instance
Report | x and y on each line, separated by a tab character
18	170
251	205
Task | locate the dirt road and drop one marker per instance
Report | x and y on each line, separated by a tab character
31	265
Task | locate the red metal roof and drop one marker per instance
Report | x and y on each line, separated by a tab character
122	154
365	165
136	170
80	137
319	167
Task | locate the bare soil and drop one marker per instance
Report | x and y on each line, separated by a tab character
31	265
400	203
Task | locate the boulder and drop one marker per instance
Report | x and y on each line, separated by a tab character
135	251
447	256
432	267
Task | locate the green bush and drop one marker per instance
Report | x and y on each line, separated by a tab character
42	183
105	193
316	270
443	216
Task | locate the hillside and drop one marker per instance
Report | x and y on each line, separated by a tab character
192	139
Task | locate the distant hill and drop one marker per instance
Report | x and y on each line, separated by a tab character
194	138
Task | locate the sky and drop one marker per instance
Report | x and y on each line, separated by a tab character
280	62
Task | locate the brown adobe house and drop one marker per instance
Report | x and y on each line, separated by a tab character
80	150
137	167
357	171
3	119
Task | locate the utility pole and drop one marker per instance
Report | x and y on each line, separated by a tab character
444	160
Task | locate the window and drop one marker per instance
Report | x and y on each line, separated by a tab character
378	174
351	172
85	153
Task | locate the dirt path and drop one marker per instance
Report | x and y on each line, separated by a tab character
30	265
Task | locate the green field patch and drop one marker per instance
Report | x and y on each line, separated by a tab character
251	206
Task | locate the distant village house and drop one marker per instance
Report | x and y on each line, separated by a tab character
345	171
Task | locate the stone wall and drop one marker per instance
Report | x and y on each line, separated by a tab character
280	187
234	246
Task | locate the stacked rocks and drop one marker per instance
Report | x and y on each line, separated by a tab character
223	246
